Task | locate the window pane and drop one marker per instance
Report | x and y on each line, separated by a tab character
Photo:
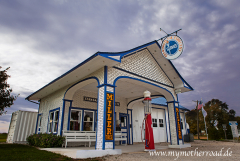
56	116
75	115
154	124
88	126
74	125
88	116
55	127
40	121
51	116
50	127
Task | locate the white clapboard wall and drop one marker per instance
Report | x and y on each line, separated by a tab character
23	124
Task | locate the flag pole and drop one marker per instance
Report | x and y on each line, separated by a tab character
197	119
205	127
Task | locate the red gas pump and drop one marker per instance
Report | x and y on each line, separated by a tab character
149	139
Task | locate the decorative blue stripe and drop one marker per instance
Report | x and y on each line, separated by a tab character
124	53
109	85
104	117
63	109
80	82
142	76
114	119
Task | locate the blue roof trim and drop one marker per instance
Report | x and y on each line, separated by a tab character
188	86
161	101
123	53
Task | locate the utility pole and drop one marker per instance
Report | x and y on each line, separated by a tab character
197	119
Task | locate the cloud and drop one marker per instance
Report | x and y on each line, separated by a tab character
40	40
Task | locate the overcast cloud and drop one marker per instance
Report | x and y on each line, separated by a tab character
40	40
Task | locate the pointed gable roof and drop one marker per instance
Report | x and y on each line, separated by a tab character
101	59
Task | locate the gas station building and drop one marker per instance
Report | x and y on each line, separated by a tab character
105	92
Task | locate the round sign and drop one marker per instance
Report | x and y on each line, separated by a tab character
172	47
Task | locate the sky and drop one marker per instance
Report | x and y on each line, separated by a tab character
41	40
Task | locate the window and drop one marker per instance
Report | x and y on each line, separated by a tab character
39	123
154	122
161	123
53	121
123	121
76	119
88	124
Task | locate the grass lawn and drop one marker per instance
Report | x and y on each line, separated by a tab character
21	152
3	137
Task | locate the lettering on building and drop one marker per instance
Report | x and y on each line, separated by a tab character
179	124
109	117
90	99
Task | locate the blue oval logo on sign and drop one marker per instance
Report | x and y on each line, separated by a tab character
172	47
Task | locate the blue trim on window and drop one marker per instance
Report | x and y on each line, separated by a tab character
120	77
37	119
37	128
131	127
36	124
82	116
63	112
127	124
141	76
53	110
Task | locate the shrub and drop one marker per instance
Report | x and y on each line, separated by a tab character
45	140
213	134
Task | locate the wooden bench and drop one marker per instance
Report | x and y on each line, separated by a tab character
119	136
89	136
79	136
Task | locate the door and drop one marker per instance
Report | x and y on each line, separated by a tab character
159	125
124	124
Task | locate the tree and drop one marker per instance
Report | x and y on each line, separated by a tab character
6	99
217	113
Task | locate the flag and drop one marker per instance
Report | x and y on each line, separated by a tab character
200	105
204	112
215	124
